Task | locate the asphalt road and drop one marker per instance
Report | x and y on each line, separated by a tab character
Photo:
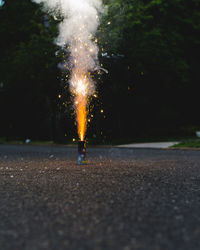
122	199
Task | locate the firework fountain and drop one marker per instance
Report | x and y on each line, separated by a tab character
77	31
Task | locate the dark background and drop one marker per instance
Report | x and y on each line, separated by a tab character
151	50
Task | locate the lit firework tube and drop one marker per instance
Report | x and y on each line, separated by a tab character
81	152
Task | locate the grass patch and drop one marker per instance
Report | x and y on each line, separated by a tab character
193	143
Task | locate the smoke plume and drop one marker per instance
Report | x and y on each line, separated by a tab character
80	20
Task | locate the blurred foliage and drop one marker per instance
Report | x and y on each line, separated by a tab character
150	48
28	70
153	56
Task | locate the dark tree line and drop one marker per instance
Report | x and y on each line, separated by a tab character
150	48
154	81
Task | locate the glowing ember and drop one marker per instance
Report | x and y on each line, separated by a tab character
80	87
81	116
81	107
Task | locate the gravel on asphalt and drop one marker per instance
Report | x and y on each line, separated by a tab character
140	199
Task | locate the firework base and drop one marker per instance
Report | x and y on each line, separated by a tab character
81	152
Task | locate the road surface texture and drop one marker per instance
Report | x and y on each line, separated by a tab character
146	199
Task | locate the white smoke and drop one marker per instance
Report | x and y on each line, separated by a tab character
77	29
